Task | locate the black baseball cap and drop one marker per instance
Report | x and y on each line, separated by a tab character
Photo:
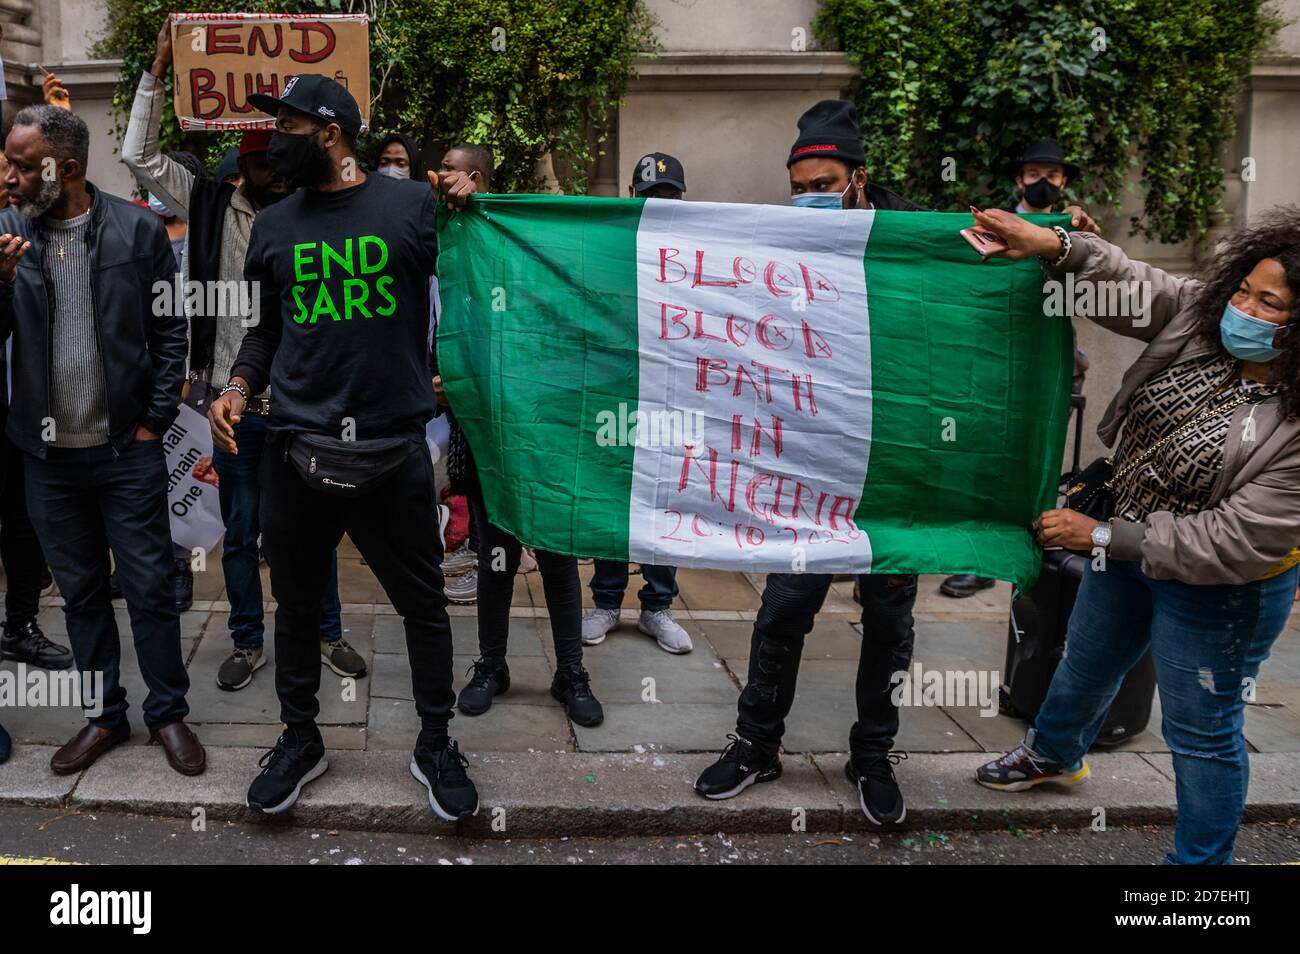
658	168
319	97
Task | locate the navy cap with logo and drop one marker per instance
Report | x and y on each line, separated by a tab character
658	168
319	97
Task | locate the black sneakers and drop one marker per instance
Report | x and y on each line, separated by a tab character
285	770
879	796
572	688
439	766
1022	768
184	584
740	766
25	642
491	678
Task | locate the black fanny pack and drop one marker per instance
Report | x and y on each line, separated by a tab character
346	468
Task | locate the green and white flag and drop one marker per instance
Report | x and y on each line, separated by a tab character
752	387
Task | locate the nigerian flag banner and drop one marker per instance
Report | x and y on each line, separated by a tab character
752	387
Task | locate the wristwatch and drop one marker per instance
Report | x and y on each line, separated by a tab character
1101	535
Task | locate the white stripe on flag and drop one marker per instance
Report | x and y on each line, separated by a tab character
755	387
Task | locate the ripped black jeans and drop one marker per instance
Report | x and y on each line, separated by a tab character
790	605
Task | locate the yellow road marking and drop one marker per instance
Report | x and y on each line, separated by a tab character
19	860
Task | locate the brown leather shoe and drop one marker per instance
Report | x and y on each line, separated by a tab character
83	749
182	747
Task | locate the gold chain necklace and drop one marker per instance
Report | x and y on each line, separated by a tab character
62	248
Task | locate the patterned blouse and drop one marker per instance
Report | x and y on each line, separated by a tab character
1180	476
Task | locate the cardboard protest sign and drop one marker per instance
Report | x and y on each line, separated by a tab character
192	501
222	58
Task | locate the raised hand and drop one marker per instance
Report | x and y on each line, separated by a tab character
12	248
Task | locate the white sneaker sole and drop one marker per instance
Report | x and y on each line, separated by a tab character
247	682
749	780
735	791
316	772
433	802
862	803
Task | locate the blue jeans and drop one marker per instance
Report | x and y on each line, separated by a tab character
609	581
240	495
1207	643
84	502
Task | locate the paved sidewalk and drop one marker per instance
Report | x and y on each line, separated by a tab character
665	715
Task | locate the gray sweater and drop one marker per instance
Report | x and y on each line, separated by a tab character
78	396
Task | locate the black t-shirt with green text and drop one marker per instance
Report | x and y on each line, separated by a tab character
344	293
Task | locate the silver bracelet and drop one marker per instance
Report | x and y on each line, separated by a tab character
1065	248
233	386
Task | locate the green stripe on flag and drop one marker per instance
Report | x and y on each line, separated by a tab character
971	390
538	335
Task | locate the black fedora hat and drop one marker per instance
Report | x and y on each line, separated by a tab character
1041	150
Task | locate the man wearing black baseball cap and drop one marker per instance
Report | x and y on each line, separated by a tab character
655	176
658	176
343	268
310	102
827	171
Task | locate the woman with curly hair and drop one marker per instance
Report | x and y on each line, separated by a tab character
1201	555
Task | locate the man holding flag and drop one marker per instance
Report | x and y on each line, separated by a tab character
827	171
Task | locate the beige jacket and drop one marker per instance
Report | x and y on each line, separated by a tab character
1252	522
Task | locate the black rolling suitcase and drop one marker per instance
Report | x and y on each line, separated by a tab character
1036	641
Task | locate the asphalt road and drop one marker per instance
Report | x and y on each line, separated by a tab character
36	835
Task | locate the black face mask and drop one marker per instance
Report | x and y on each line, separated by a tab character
260	196
299	159
1041	194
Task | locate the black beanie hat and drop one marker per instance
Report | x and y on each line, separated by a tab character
829	130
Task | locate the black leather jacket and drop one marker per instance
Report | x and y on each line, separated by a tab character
143	346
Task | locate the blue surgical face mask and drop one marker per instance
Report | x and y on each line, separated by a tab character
820	200
156	204
1247	337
